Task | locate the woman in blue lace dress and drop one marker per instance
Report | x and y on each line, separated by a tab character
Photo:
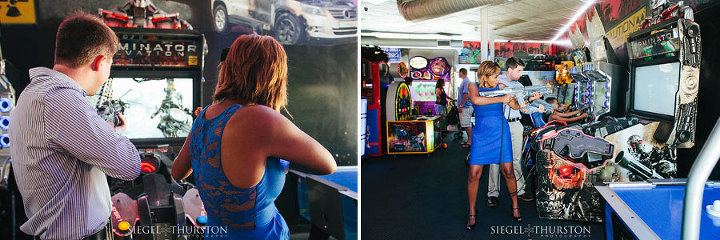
491	137
236	143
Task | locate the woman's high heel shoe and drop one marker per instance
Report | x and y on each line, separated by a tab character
472	226
519	218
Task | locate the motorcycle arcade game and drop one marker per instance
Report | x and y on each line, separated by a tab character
155	83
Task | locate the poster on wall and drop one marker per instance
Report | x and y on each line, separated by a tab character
394	54
618	35
291	22
471	53
612	12
522	50
17	11
620	17
565	179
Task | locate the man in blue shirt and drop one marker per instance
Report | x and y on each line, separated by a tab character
514	68
465	107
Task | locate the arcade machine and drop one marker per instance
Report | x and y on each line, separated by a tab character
8	195
569	160
425	73
563	81
375	76
407	133
415	134
363	125
155	83
664	70
665	63
600	93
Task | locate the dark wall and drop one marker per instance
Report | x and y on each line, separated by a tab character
322	84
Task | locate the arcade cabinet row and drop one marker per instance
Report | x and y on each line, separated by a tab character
635	129
397	116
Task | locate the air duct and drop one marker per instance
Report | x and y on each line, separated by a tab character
414	10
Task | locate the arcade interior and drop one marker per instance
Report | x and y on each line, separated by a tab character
165	70
637	76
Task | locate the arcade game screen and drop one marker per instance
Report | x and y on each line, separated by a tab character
655	88
425	90
155	108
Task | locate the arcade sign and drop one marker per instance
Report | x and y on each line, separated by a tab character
157	50
418	62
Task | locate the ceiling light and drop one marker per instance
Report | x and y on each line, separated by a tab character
580	12
376	2
522	41
395	35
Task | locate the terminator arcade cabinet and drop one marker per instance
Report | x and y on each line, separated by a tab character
665	68
156	83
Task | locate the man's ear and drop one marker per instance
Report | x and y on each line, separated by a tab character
95	65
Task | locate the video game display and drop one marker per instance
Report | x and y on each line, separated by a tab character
654	85
420	134
155	108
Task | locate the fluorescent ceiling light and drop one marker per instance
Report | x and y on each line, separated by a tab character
562	43
580	11
523	41
376	2
418	47
428	36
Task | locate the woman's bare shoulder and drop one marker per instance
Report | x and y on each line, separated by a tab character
257	117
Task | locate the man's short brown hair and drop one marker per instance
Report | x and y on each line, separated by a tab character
81	37
513	62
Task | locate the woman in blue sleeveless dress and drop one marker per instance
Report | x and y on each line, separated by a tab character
491	142
235	144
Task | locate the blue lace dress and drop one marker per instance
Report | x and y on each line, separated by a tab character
248	213
491	134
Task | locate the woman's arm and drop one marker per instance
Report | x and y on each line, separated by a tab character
181	167
476	99
513	103
567	119
276	136
568	114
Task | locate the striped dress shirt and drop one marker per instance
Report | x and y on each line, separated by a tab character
61	150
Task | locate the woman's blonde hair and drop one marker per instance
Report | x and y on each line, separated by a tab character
254	72
486	69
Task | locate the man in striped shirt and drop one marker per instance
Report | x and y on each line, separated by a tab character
61	149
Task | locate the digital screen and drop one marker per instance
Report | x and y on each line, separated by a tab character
569	93
655	88
154	108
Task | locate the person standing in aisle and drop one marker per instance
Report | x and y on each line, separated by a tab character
514	70
465	107
491	144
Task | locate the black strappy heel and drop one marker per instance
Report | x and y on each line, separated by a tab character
472	226
517	219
